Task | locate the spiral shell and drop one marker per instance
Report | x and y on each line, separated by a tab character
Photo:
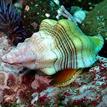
56	46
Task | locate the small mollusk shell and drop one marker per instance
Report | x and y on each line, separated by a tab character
65	77
58	45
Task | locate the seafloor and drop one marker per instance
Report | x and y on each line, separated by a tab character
32	89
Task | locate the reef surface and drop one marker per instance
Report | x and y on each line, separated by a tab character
32	89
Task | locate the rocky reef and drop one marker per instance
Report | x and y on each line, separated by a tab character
86	87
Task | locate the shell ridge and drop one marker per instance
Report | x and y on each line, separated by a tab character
73	41
75	35
70	36
63	46
81	38
60	53
56	30
57	53
62	30
81	49
47	24
53	33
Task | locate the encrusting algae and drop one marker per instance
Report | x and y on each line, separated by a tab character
59	54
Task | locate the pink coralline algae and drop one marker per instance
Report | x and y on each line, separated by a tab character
89	89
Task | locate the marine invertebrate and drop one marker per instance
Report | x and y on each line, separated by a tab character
56	46
11	22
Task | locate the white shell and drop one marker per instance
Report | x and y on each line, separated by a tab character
56	46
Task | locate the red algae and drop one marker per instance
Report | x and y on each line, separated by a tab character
35	90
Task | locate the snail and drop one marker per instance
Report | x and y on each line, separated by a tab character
58	45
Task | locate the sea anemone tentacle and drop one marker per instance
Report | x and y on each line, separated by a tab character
11	22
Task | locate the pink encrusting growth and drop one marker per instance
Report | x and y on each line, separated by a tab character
89	88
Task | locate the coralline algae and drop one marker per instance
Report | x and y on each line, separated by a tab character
32	90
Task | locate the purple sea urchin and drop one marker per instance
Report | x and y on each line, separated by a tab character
11	22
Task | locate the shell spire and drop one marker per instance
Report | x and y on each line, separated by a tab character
11	22
58	45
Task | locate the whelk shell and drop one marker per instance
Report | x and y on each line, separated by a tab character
58	45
